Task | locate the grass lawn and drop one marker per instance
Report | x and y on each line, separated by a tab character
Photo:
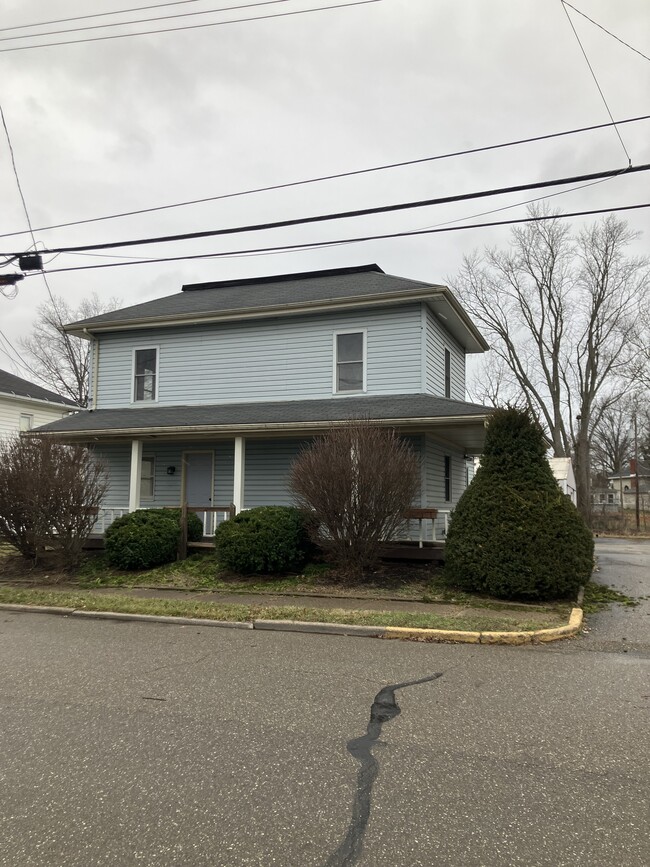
88	601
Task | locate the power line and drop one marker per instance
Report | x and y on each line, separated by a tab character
141	20
341	215
313	245
95	15
593	75
608	32
190	26
331	177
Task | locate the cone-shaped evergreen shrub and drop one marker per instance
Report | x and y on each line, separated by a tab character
514	534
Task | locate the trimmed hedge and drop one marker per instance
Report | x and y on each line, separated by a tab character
143	539
265	539
194	524
514	534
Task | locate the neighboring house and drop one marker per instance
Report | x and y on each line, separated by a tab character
209	394
623	485
562	470
24	406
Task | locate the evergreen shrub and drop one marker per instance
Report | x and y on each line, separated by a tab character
143	539
194	524
265	539
514	534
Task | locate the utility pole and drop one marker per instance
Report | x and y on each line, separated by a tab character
636	471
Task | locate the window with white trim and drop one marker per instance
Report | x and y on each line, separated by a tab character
349	363
147	476
26	421
145	374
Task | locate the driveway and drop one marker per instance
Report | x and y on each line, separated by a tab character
623	564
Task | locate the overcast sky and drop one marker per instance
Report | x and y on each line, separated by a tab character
123	124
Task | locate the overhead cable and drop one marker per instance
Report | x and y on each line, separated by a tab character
353	173
313	245
343	215
190	26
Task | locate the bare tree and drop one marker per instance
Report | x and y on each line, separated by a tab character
49	496
59	360
612	439
560	312
356	482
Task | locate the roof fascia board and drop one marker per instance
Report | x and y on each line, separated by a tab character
477	342
253	313
40	400
189	431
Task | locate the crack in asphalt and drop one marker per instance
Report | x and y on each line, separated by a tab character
384	708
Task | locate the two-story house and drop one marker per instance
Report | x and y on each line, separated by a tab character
24	405
206	396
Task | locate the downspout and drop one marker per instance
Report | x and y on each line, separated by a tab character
94	342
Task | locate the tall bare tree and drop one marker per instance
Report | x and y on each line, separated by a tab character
59	360
560	310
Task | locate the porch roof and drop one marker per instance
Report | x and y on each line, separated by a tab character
461	423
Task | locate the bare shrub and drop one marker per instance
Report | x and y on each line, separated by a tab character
355	482
49	497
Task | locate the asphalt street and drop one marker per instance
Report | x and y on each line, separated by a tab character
131	743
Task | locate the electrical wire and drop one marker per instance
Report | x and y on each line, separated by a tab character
341	215
313	245
143	20
608	32
355	172
95	15
190	26
593	75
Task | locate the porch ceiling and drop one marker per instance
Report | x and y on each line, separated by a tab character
460	423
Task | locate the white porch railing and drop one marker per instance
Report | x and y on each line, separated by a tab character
209	517
437	518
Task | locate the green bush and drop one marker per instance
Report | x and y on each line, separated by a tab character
143	539
194	524
514	534
265	539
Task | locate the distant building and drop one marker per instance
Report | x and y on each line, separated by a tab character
562	470
24	406
623	484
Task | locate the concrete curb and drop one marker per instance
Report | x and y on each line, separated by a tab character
404	633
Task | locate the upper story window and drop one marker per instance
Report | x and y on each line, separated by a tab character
145	374
26	421
447	373
350	361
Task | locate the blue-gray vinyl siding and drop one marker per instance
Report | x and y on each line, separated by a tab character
437	340
284	358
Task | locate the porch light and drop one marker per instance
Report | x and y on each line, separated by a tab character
171	471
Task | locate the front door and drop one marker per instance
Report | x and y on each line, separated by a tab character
199	481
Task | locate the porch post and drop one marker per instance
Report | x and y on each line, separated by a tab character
135	477
240	462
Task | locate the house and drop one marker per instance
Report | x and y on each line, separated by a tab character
623	485
24	406
206	396
562	470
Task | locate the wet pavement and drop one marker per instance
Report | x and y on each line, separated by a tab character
623	564
130	743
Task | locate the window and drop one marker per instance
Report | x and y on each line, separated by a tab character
447	478
447	373
26	421
147	475
145	374
349	368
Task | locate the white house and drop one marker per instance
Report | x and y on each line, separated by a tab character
24	406
562	469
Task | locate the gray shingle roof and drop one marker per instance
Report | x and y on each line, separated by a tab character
11	384
263	415
220	298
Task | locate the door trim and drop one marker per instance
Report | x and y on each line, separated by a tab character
184	472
